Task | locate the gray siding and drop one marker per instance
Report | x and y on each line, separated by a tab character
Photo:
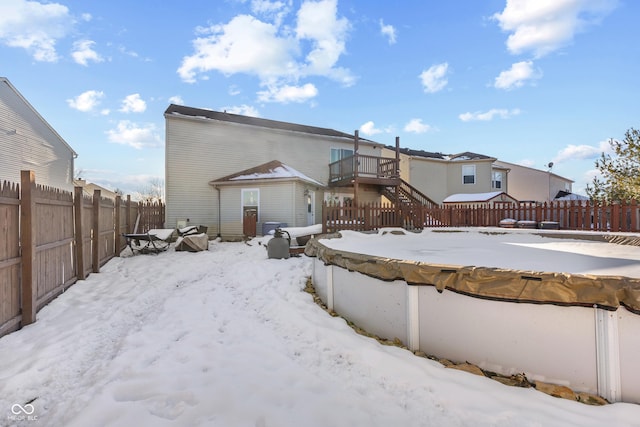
34	145
201	150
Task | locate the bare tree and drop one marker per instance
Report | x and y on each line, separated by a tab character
153	191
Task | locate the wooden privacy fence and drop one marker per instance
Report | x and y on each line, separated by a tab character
568	215
50	238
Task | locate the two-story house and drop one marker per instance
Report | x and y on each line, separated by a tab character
28	142
235	174
222	168
441	175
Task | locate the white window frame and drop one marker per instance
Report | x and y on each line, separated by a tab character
242	201
465	168
494	181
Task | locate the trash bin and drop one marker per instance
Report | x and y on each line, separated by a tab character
271	225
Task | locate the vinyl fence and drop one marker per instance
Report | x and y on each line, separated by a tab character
51	238
569	215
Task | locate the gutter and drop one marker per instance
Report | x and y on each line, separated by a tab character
219	211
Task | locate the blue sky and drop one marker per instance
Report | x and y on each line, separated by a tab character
526	81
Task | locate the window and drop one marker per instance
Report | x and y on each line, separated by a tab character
250	201
468	174
496	181
340	153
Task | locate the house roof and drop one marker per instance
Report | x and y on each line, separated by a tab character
420	153
467	155
181	110
5	81
270	170
565	195
475	197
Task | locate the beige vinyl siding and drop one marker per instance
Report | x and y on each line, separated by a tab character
430	177
482	182
280	201
527	183
34	146
200	150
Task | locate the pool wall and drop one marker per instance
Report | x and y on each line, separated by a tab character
588	349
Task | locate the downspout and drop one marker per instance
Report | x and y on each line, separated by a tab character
219	211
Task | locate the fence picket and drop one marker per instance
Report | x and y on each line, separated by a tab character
49	235
570	215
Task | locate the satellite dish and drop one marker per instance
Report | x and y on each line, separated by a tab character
550	165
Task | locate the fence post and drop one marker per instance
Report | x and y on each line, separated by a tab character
78	202
128	213
324	217
95	242
118	235
28	241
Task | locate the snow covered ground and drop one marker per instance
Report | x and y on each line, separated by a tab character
229	338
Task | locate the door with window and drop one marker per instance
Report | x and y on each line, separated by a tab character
250	211
311	207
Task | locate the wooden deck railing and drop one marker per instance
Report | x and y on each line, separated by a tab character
361	165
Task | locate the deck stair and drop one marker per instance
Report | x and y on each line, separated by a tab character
411	201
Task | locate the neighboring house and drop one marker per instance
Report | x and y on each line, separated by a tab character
492	199
28	142
440	175
529	184
88	189
208	151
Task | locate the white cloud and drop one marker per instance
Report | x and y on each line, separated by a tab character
277	55
489	115
517	75
416	126
275	10
388	31
582	152
83	52
369	128
133	104
318	22
86	101
245	110
34	26
286	94
135	135
435	78
543	26
244	45
176	100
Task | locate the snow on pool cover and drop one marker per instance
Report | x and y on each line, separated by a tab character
528	250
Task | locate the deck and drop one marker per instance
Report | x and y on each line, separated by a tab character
365	169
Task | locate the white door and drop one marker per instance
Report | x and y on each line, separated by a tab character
311	207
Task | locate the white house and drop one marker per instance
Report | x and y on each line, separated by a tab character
28	142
